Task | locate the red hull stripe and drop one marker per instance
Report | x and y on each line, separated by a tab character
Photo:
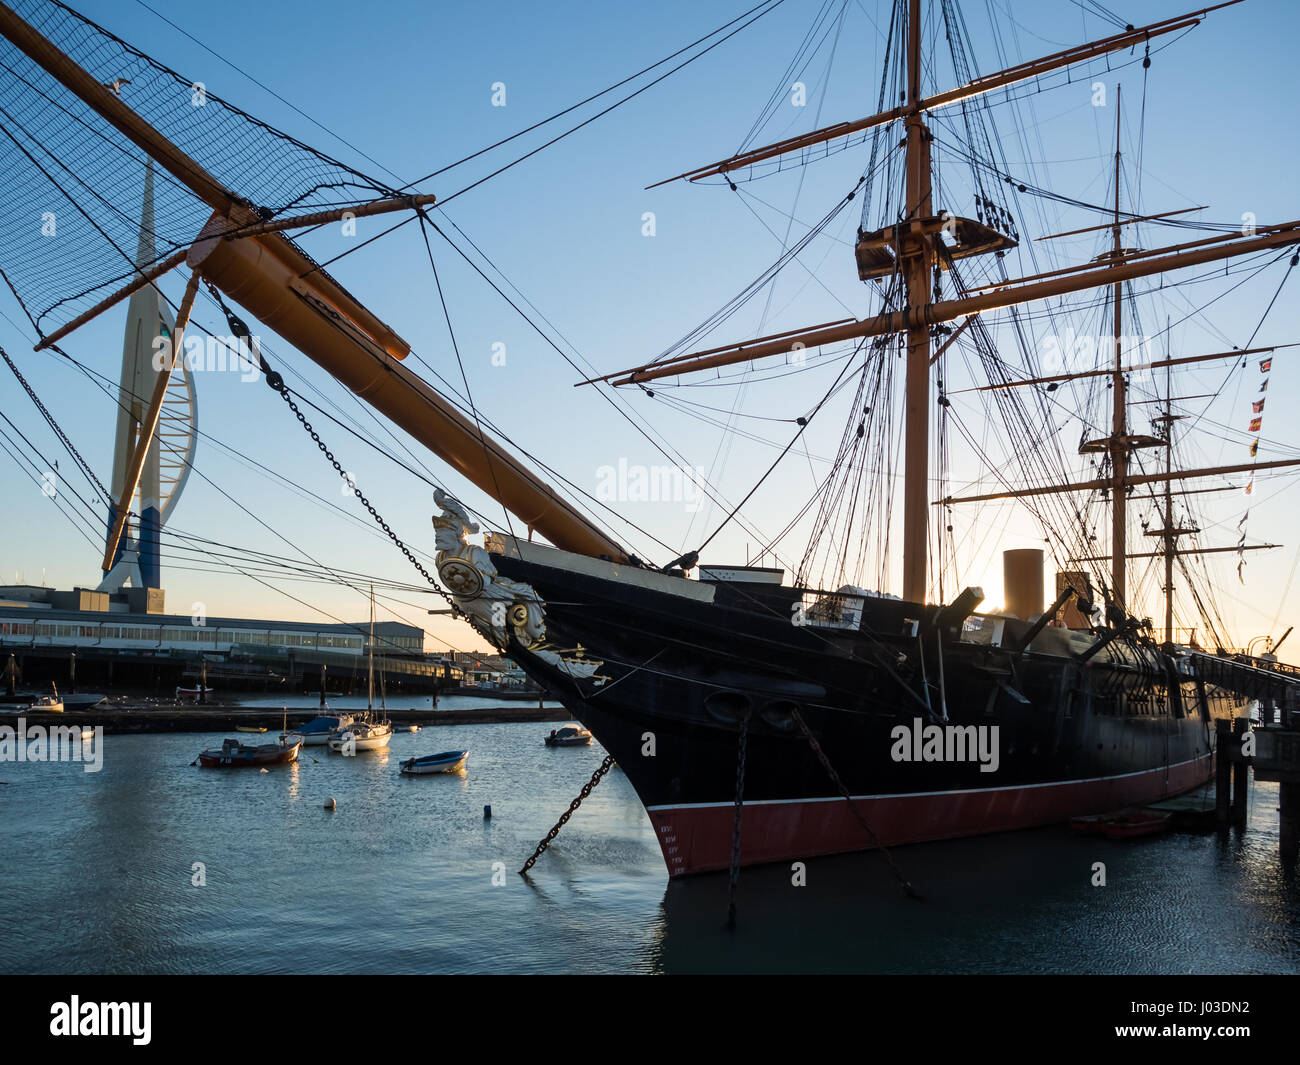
697	838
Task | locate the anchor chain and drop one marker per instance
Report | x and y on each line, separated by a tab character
564	818
742	745
277	383
857	814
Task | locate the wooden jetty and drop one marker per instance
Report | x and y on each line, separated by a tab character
116	720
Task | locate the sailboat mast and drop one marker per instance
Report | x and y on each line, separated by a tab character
1170	534
916	276
1119	420
370	675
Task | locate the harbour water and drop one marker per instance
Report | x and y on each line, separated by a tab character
99	874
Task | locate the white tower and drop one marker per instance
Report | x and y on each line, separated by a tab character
171	451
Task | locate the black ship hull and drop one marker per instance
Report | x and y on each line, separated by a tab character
935	730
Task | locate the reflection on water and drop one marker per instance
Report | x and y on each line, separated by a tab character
101	873
1018	902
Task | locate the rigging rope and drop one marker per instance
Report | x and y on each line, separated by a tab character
58	430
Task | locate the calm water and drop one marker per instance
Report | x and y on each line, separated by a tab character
95	876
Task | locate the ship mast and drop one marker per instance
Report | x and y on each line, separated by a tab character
916	259
1169	534
1119	416
912	248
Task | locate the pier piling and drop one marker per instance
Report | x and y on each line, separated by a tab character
1277	758
1240	772
1223	771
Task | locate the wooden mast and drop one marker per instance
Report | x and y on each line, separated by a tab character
1119	415
1075	279
277	283
1105	482
1169	533
916	246
1131	37
916	256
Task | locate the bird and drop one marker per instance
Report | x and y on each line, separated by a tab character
116	85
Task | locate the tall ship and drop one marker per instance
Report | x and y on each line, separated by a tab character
772	713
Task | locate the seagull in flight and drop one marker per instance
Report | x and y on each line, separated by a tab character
116	85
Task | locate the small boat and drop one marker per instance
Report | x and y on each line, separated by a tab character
446	762
193	693
361	736
250	728
50	704
234	754
569	736
406	728
73	703
1125	825
316	732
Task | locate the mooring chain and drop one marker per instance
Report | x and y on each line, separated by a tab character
564	818
844	792
742	746
275	380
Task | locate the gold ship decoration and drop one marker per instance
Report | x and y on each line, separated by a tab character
252	262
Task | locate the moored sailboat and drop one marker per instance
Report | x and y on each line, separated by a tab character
366	732
317	731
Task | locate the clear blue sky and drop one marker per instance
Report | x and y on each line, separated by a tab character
410	84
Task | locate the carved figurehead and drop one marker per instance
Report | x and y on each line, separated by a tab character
496	606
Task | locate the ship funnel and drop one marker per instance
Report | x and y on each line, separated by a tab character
1022	580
